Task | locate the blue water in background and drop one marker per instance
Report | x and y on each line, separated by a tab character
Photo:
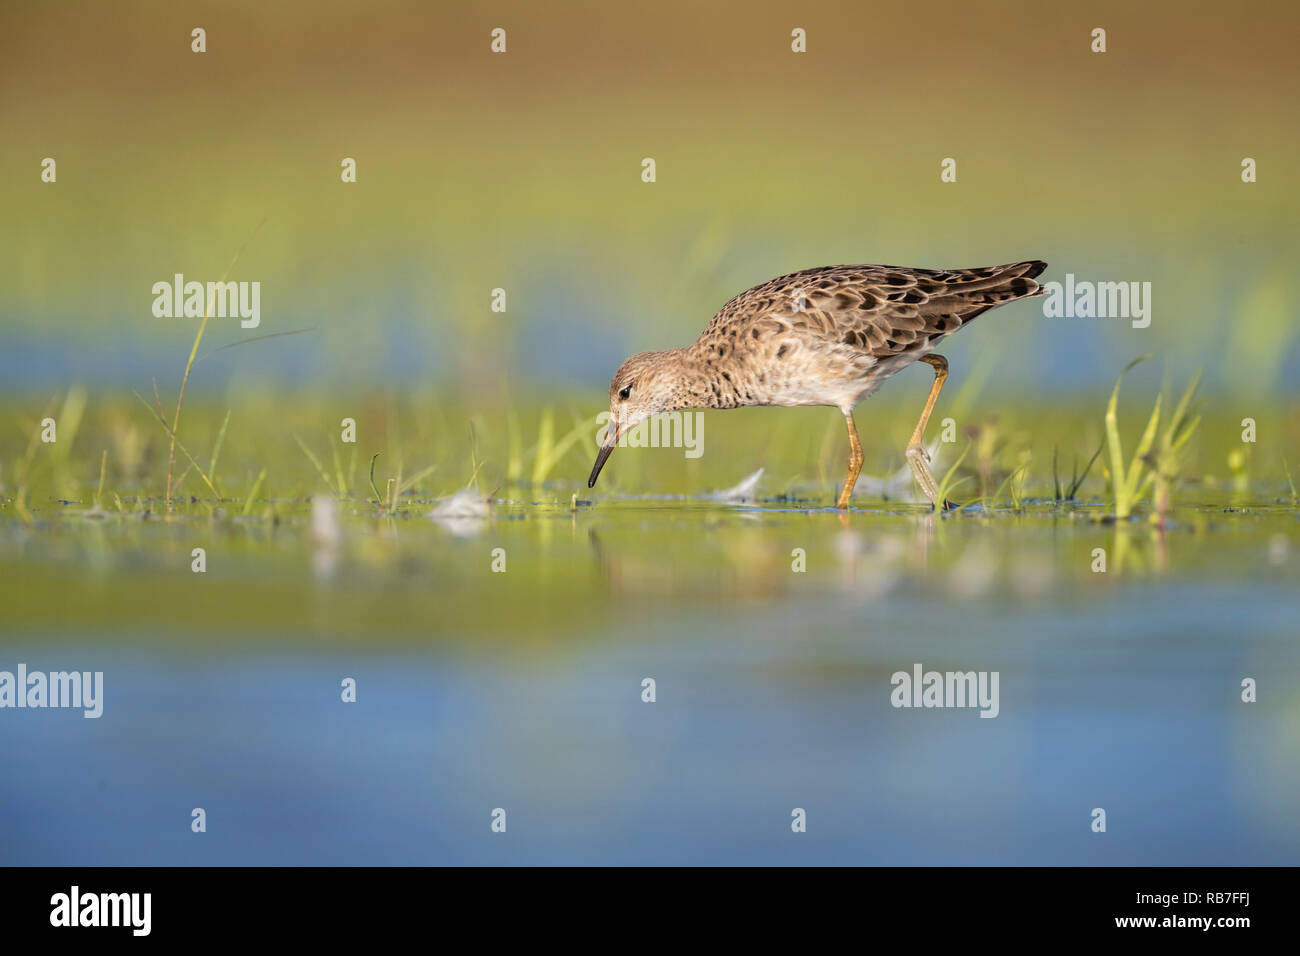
571	323
1130	705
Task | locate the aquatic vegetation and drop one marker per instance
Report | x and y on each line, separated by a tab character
180	397
339	488
548	452
1170	456
379	500
239	461
1077	477
950	480
1015	483
1150	467
252	493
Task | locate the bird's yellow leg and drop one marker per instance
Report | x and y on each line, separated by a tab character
916	454
855	462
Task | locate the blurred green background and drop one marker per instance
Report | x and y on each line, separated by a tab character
522	171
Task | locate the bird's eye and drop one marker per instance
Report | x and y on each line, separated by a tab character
624	392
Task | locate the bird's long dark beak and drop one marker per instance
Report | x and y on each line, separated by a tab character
612	435
601	457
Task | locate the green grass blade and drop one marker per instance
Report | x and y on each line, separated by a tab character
250	341
216	447
184	451
1119	477
315	461
1078	482
248	502
1140	461
379	502
545	446
947	484
338	470
103	466
415	479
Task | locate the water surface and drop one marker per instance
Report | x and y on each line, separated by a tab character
522	689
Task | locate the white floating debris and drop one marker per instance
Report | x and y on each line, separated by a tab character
464	514
741	492
466	503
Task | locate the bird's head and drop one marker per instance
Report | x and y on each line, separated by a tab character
646	384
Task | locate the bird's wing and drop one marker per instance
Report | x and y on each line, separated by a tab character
882	310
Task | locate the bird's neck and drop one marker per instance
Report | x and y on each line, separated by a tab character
706	377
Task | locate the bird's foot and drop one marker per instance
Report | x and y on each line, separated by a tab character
917	451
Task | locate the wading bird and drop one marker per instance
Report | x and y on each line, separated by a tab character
826	336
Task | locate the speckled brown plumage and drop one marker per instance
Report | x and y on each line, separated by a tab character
825	336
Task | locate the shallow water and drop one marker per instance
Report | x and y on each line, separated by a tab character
522	689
